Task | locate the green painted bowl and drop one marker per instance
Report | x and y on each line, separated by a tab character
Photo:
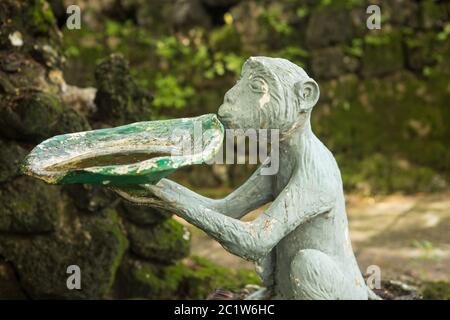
142	152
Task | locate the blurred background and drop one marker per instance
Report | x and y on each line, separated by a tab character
384	112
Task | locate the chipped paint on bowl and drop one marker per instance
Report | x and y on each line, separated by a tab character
142	152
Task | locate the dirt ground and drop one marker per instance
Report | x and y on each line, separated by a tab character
406	236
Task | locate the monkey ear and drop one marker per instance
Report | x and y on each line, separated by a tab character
307	92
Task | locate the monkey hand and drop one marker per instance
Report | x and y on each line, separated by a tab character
166	195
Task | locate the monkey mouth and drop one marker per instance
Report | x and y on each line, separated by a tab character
225	121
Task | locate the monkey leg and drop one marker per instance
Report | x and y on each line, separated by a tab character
316	276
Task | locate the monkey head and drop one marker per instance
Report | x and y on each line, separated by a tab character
272	93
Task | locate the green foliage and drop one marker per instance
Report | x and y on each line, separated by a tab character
170	93
444	34
302	11
427	248
295	54
340	3
356	48
275	18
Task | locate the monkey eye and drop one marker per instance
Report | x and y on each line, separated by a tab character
258	85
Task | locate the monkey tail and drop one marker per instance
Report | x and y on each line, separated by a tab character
372	295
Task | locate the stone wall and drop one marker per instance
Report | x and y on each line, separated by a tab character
385	92
44	229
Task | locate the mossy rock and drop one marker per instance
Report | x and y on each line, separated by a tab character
12	154
71	121
331	62
337	30
142	215
165	242
439	290
193	278
90	198
202	277
40	18
28	206
388	133
9	285
141	279
94	243
35	21
38	116
19	73
119	99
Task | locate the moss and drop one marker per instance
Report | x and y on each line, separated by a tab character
12	154
41	18
119	99
439	290
164	281
166	242
32	117
38	116
202	277
195	278
28	206
71	121
119	235
95	243
141	279
387	134
35	21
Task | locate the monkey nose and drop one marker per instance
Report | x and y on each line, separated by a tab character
223	112
224	116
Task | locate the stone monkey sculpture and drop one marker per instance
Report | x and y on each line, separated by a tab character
300	244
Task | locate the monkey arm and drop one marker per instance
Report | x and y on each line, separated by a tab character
254	239
255	192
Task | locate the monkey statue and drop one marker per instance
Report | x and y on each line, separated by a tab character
300	244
